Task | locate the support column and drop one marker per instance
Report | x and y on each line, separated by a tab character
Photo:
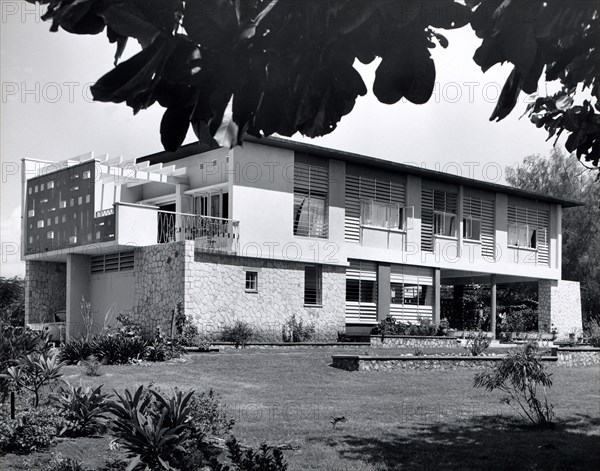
78	286
493	305
437	303
384	294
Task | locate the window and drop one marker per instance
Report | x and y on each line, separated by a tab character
311	183
251	281
444	224
87	174
522	235
313	283
444	213
385	215
408	294
50	185
31	213
527	227
471	228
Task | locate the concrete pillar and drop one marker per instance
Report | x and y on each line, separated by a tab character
437	299
78	285
493	304
384	294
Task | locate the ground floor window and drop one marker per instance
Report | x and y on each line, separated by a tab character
313	285
251	281
411	290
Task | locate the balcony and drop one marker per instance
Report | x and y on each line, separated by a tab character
208	233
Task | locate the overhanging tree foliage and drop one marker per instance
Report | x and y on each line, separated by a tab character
286	66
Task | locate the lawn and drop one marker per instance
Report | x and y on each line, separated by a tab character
395	420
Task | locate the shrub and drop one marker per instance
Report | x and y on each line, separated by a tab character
92	366
32	430
127	326
58	463
75	350
266	459
208	416
32	372
239	334
152	427
593	328
389	326
296	331
163	348
118	349
84	410
519	375
477	343
16	342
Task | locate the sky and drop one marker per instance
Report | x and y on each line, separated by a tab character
47	113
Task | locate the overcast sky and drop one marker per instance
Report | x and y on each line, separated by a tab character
47	113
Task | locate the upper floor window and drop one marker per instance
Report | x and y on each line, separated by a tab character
472	217
384	215
527	227
311	185
471	228
522	235
444	213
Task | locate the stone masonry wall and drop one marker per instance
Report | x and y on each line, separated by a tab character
578	357
159	284
413	342
559	305
215	295
45	290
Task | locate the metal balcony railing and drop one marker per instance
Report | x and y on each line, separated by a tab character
209	233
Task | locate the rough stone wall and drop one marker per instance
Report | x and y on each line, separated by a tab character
45	290
358	363
413	342
159	284
559	305
587	357
215	295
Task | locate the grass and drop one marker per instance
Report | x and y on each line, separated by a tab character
400	420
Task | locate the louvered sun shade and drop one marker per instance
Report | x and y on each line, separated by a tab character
311	185
482	210
361	292
412	293
360	191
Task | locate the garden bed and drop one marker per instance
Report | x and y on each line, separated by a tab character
413	362
288	345
412	341
578	356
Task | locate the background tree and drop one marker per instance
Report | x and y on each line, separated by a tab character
12	301
562	176
230	67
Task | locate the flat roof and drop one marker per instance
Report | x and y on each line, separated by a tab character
196	148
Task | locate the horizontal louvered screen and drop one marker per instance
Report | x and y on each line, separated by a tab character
361	292
427	219
412	293
483	210
113	262
360	188
311	184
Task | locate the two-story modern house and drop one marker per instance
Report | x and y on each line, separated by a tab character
276	228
